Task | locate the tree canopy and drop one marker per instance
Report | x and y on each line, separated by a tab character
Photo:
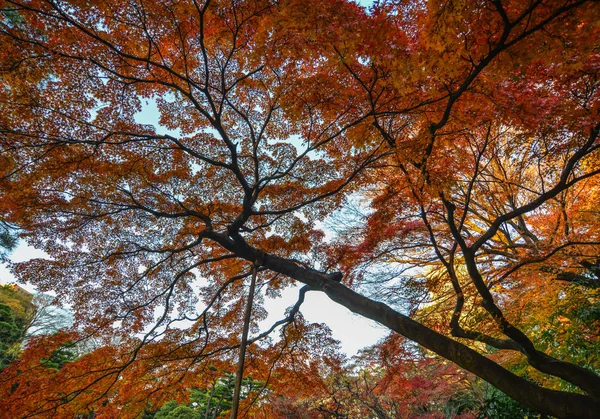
452	144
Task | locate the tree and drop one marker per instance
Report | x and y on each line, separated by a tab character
182	412
8	240
10	334
392	380
469	128
211	402
60	356
16	313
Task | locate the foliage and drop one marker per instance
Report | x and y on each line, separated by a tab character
16	312
392	379
498	405
467	129
10	334
211	402
8	239
20	303
172	411
60	356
